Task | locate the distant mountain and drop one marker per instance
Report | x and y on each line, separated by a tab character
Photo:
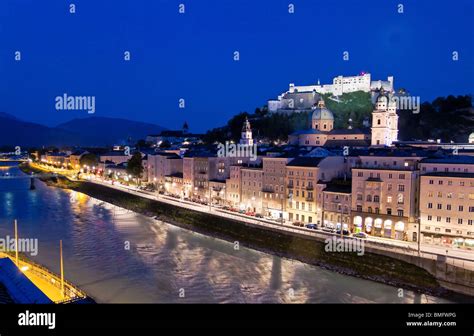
109	131
14	132
92	131
7	116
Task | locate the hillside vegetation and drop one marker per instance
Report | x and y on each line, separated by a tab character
447	118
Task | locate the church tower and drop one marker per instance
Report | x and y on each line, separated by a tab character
384	121
246	137
185	128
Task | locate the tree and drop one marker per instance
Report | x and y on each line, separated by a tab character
135	167
165	144
89	159
142	144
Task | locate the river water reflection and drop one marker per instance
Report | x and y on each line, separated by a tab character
165	263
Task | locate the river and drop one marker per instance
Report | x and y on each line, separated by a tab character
118	256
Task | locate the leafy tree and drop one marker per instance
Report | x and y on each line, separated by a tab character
135	167
89	159
142	144
165	144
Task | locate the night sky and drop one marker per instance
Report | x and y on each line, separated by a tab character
190	55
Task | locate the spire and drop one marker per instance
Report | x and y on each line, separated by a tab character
246	126
321	103
319	82
185	127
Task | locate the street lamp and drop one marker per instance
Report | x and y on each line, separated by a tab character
290	198
210	198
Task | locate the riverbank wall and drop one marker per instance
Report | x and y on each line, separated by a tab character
385	266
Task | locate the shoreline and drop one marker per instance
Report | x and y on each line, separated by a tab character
373	267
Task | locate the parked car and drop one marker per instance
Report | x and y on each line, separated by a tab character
259	215
361	235
328	229
250	213
312	226
344	232
300	224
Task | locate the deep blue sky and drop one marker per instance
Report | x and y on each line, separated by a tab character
191	55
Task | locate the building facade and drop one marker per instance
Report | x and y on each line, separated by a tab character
447	201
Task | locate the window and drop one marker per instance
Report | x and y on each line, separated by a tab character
359	208
360	174
401	187
376	198
438	219
389	211
460	208
359	197
389	199
448	206
400	213
431	182
430	205
439	206
448	219
459	220
369	198
440	182
401	176
430	217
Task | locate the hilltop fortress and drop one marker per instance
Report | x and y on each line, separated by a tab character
303	98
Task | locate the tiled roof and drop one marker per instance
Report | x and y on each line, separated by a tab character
452	159
350	131
450	174
305	162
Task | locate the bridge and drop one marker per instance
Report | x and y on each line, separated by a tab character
13	159
12	177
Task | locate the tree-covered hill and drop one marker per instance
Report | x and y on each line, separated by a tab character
447	118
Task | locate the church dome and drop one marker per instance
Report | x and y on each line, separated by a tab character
382	96
471	138
320	112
